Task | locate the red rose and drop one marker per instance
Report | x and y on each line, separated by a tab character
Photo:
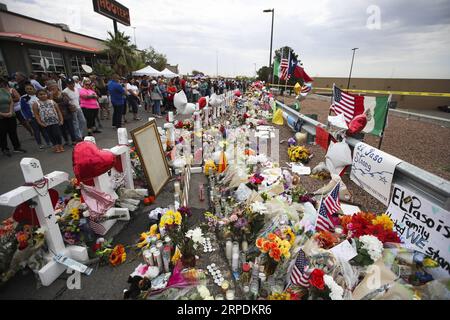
316	279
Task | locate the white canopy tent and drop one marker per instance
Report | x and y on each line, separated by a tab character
168	74
147	71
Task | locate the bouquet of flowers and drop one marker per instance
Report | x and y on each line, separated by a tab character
20	245
366	223
299	154
323	286
369	249
276	250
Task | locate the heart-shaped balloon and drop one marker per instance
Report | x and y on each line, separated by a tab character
357	124
202	102
89	161
27	215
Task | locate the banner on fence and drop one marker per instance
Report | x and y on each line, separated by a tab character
422	226
373	170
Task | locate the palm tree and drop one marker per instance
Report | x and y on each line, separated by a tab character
122	53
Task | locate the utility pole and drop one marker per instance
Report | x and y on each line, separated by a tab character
271	42
351	67
134	30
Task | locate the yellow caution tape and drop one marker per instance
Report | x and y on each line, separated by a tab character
399	93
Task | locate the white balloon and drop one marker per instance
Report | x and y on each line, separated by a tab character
180	100
188	109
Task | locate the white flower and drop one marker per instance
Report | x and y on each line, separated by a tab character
337	291
196	235
204	292
259	207
373	246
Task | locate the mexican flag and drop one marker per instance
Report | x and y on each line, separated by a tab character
375	109
276	67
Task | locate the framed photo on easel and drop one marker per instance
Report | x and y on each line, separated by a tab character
150	150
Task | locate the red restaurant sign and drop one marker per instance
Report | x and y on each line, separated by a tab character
112	9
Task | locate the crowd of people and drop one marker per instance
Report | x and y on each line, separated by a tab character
60	111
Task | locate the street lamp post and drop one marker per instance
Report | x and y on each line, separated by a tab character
271	42
134	31
351	67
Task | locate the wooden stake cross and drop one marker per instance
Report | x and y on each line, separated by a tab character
32	172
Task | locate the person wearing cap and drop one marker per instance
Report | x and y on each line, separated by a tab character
62	81
77	82
117	94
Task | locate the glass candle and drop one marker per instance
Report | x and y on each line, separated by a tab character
177	187
229	249
230	295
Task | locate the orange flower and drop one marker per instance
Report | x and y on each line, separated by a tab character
266	246
272	236
275	254
260	242
118	255
345	220
273	245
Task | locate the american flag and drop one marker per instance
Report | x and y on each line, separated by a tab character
347	104
306	88
98	228
300	271
328	206
284	67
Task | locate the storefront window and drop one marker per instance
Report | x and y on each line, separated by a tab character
76	63
46	61
3	70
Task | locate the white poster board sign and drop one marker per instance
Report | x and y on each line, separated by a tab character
422	226
373	170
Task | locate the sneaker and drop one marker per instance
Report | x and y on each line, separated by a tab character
19	150
97	131
138	119
41	147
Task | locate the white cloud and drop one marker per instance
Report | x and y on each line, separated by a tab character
412	41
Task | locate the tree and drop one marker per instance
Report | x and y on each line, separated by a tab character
155	59
122	53
196	72
283	52
263	73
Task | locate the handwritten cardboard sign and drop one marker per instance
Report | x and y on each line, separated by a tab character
422	226
373	170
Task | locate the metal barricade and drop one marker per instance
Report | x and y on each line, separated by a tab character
433	188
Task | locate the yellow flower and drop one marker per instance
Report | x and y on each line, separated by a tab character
177	218
385	221
153	229
75	213
176	256
430	263
210	165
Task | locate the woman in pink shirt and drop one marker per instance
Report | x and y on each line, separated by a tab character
89	105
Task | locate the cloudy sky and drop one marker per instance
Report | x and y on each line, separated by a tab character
396	38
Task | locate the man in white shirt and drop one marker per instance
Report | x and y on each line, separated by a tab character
133	98
79	121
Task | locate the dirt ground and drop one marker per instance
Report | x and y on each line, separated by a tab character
424	144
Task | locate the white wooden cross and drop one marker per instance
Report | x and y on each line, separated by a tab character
32	172
103	182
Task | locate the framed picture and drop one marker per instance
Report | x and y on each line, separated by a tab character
149	148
